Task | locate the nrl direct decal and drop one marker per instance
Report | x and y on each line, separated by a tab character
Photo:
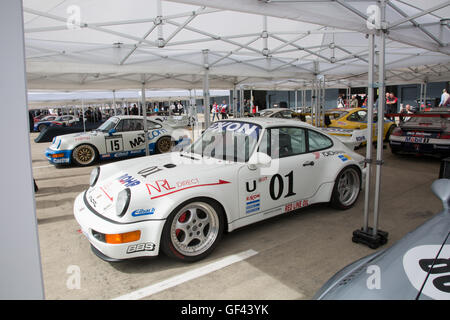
161	188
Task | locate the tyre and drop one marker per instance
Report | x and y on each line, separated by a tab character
42	127
346	188
84	155
164	145
192	231
394	150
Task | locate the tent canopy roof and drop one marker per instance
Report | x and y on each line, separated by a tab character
112	44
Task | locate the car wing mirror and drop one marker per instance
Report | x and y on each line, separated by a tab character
111	131
259	160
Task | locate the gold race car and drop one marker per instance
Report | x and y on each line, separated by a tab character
356	119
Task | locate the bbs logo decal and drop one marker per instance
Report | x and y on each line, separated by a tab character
418	263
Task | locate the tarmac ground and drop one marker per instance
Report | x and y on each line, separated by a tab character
286	257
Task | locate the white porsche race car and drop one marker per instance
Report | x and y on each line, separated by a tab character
237	173
119	136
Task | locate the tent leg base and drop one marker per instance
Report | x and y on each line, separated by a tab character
368	239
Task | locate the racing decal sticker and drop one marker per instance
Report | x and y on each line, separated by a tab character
142	212
344	157
162	188
331	153
114	144
250	185
239	127
149	171
148	246
128	181
136	142
295	205
252	203
420	264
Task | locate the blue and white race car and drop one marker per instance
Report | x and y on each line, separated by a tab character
237	173
51	121
119	136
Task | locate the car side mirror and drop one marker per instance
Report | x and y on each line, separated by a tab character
111	131
259	160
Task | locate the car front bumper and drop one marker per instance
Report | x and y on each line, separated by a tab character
58	156
93	225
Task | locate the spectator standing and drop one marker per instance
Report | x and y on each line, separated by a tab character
391	103
223	110
444	98
340	102
172	108
215	111
354	102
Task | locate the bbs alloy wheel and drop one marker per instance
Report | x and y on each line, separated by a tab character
346	188
164	145
84	155
192	231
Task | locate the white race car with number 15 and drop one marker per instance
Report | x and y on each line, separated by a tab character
238	172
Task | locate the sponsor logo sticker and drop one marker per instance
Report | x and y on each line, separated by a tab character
252	203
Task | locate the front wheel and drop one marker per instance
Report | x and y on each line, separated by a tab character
84	155
346	188
192	231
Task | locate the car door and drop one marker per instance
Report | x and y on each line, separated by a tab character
289	182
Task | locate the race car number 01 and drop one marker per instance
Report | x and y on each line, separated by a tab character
278	179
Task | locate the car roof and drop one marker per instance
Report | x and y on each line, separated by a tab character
276	109
271	122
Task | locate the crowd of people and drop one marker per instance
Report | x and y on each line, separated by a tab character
391	105
217	110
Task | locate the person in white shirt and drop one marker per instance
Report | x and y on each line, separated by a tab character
444	97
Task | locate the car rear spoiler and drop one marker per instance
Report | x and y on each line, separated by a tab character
351	138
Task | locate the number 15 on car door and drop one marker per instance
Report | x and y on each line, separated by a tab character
114	144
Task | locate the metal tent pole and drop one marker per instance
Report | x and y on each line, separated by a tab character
296	96
235	99
373	237
206	97
82	111
144	114
114	102
380	122
369	144
241	101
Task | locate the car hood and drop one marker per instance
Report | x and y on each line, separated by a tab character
63	141
151	180
402	272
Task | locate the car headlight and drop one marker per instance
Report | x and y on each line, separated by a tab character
94	176
123	201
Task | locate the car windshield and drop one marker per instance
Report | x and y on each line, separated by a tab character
265	113
228	140
109	124
337	114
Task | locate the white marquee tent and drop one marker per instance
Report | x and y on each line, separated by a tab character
271	44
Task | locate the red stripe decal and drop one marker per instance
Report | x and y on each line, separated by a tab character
199	185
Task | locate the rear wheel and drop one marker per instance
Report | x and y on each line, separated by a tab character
84	155
346	188
164	145
192	231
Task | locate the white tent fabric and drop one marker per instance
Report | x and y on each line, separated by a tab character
112	44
